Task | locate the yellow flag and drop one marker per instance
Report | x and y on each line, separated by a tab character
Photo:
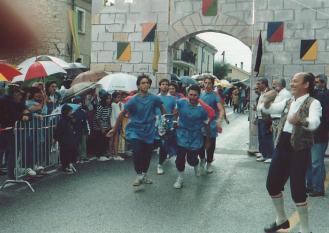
74	30
156	54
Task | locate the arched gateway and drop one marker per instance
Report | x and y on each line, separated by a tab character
295	33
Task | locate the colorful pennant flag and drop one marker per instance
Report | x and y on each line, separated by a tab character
209	7
73	22
259	54
308	50
124	51
156	54
148	31
275	31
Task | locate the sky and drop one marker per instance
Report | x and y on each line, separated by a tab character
235	51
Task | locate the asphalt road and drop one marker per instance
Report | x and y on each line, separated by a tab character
101	199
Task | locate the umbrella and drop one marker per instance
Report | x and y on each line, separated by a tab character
187	80
119	82
203	75
8	72
40	69
89	76
223	83
31	60
75	69
79	89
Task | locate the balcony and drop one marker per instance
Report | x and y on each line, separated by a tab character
186	56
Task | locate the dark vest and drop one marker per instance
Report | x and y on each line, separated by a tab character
301	138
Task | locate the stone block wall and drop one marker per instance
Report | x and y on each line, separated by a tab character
302	20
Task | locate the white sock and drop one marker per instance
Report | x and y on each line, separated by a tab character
181	175
302	210
202	162
279	207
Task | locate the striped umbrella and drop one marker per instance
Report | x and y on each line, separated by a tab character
41	69
8	72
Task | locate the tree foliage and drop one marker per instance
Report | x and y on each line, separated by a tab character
221	70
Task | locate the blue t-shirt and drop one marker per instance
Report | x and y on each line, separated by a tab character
190	123
141	121
212	99
169	102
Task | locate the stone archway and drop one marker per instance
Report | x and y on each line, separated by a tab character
195	23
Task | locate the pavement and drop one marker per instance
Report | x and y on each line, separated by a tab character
100	197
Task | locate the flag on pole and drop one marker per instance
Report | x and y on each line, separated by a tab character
156	54
74	31
259	53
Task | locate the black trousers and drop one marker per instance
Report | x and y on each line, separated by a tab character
184	154
142	152
287	163
210	151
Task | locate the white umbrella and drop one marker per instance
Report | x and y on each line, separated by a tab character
119	82
26	64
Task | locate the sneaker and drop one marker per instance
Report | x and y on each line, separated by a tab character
160	170
209	168
202	167
73	168
138	181
260	159
268	161
197	170
85	160
68	171
118	158
258	155
146	179
39	168
103	159
179	183
30	172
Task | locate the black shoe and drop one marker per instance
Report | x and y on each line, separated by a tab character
274	227
316	194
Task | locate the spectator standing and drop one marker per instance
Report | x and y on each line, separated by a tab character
54	97
316	173
117	107
65	135
102	125
264	125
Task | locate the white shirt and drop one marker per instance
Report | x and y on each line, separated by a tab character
284	94
116	109
259	105
314	114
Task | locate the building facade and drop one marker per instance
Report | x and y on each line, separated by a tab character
193	56
236	73
51	23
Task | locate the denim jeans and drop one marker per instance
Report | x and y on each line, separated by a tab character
265	138
316	172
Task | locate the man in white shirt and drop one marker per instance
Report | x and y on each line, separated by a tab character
265	137
283	94
300	116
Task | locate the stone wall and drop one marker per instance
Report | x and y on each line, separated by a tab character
282	59
49	18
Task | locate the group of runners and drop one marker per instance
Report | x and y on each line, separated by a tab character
186	126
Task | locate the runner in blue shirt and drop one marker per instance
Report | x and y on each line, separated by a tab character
192	117
167	144
210	97
140	130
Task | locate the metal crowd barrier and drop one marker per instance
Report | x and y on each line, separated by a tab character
34	147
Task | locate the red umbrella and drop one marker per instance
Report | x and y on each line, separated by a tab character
8	71
41	69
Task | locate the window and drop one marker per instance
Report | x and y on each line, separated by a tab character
81	18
